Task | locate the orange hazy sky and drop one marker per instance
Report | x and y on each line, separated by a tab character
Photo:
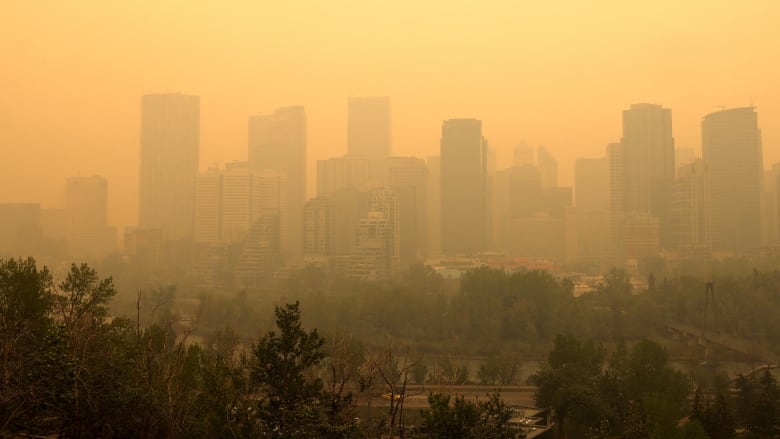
557	73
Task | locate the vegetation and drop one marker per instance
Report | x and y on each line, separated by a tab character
68	368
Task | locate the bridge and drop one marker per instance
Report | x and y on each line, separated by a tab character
745	347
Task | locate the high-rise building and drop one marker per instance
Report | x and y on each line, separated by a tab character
434	205
690	220
548	167
18	219
249	195
278	142
648	154
349	207
591	184
170	140
347	172
463	187
368	131
385	201
230	202
409	178
86	211
642	170
591	192
208	207
648	148
319	230
731	149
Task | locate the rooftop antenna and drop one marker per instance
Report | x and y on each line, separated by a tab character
722	107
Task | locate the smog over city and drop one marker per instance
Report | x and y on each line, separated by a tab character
355	219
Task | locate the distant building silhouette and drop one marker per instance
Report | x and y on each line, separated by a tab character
731	149
349	172
591	194
170	142
279	142
369	127
319	230
230	201
434	205
242	221
463	187
19	220
208	207
408	177
648	151
691	221
86	212
548	167
376	253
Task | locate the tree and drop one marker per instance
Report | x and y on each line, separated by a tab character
464	419
25	304
292	402
569	383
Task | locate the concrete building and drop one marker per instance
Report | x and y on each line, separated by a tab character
319	230
434	205
349	172
409	178
732	151
464	200
690	224
591	192
548	167
170	149
643	166
86	212
278	142
208	207
19	220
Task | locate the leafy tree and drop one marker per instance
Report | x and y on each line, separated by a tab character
762	406
292	402
25	303
458	418
569	383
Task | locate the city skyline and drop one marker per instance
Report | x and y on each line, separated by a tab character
563	86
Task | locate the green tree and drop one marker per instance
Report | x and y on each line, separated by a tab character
458	418
292	402
25	334
569	383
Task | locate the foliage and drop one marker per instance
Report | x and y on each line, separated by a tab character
464	419
636	394
292	404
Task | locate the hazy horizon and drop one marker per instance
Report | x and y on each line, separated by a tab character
555	75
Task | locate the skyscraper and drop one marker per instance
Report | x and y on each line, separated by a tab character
368	130
409	178
463	187
208	207
170	140
319	230
548	167
690	209
278	142
86	212
647	151
648	147
591	190
731	149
